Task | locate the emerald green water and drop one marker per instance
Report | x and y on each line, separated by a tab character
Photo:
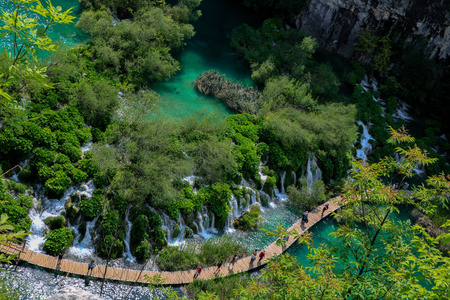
208	49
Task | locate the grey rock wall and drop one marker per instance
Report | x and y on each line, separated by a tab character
336	23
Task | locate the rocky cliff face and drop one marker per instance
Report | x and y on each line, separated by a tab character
336	23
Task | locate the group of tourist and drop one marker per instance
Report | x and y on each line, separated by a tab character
404	186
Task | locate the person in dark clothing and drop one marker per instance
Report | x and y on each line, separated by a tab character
91	267
219	265
233	260
305	217
325	208
60	257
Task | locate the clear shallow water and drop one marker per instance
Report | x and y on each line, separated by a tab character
208	49
321	235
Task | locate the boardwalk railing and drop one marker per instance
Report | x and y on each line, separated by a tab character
178	277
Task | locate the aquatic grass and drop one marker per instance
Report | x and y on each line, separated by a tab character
234	95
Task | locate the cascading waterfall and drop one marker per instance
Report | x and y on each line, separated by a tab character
313	172
282	176
127	254
366	146
23	165
41	210
294	178
84	248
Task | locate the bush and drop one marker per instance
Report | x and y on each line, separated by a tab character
143	250
55	222
217	197
249	220
58	241
92	207
178	258
58	183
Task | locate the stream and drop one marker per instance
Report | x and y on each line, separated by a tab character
209	49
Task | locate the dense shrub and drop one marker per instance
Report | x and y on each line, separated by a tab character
178	258
58	241
249	220
92	207
55	222
217	197
189	256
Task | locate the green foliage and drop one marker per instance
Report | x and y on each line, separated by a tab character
189	256
222	287
92	207
58	241
249	220
178	258
55	222
307	197
378	49
217	197
139	49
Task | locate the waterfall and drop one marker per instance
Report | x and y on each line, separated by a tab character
402	111
22	164
366	147
263	177
86	147
294	178
84	248
419	169
41	210
234	207
127	254
282	176
313	172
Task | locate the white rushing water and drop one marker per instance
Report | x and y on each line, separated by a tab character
84	248
366	146
313	172
127	254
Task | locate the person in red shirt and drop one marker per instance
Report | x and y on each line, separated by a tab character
199	271
261	255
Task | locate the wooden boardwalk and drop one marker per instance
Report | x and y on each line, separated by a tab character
172	278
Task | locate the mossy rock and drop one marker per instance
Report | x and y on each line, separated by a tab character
72	212
26	175
176	231
268	189
55	222
249	220
264	199
188	233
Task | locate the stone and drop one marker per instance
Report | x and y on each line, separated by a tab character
336	23
73	293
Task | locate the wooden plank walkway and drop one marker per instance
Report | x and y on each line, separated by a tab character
172	278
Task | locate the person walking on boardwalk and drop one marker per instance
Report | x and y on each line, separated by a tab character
198	272
219	265
60	257
305	217
325	207
253	257
91	267
233	260
261	255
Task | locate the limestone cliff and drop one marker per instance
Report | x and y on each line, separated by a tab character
335	23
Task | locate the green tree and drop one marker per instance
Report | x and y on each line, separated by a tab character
375	257
28	35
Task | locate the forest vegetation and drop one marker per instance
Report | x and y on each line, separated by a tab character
99	93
